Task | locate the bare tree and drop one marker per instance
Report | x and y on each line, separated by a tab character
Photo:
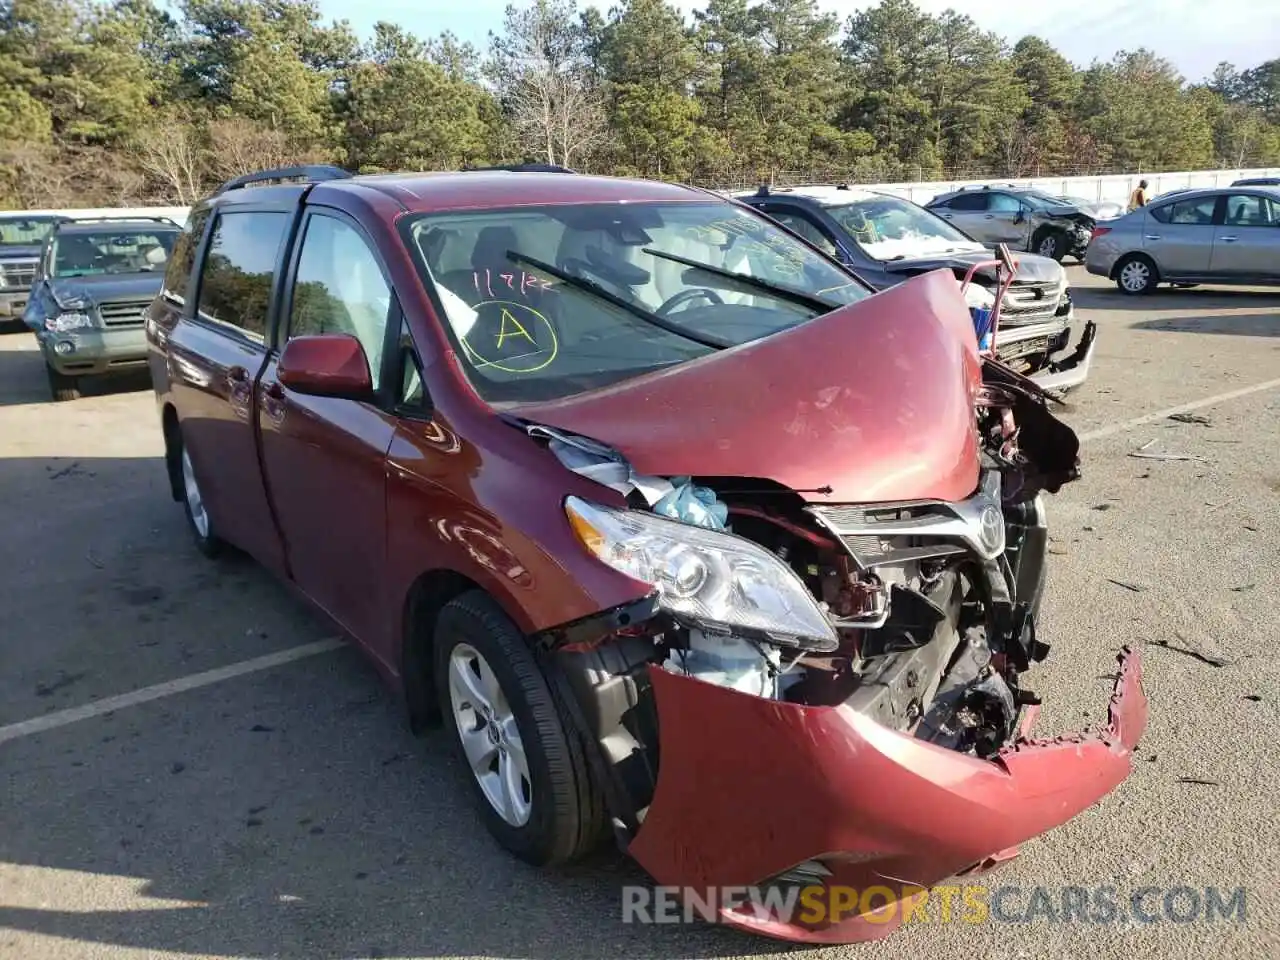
170	152
543	78
238	146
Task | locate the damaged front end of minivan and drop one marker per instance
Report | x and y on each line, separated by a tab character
830	693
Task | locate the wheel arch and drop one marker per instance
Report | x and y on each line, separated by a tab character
427	596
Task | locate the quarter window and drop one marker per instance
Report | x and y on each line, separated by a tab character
235	287
340	288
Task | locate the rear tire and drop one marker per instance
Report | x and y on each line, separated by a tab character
62	387
194	508
1136	275
525	763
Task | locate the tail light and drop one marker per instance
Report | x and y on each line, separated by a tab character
1098	232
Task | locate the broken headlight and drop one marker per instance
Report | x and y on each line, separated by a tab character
715	581
68	321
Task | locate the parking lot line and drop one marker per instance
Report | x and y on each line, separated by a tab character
1124	425
97	708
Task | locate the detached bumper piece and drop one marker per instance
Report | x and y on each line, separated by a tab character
1074	370
874	807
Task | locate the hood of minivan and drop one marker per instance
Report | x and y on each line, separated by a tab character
871	402
1031	266
105	288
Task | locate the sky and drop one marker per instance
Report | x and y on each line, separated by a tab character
1195	35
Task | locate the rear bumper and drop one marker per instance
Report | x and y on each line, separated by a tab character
748	788
95	352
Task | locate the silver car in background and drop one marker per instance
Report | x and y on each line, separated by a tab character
1227	235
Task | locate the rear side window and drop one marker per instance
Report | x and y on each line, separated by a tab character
183	260
1004	203
805	227
1198	211
969	201
235	287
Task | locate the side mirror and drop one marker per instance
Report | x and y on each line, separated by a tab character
326	365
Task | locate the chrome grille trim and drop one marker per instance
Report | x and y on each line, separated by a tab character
124	313
860	525
1031	302
19	273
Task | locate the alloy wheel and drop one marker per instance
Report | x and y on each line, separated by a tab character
195	501
490	736
1135	276
1049	247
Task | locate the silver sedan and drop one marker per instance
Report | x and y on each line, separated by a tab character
1223	235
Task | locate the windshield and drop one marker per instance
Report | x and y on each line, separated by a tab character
111	252
544	302
887	228
25	231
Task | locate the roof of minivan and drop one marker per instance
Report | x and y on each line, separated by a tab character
427	192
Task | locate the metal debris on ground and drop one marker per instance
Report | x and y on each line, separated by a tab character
1205	783
1167	456
1252	698
1128	586
1191	418
1210	659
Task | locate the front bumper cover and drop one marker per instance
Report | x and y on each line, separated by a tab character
1074	370
749	788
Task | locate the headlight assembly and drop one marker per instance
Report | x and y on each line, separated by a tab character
69	321
705	578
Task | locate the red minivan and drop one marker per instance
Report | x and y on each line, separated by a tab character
679	530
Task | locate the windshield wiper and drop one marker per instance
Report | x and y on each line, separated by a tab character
783	292
648	316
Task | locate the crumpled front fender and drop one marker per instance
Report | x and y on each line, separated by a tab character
749	788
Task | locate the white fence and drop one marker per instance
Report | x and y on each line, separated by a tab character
1115	188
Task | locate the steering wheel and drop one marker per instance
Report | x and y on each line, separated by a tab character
693	293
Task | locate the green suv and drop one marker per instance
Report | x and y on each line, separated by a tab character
94	282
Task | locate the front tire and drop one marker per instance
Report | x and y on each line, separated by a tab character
1136	275
525	764
1052	244
63	387
194	507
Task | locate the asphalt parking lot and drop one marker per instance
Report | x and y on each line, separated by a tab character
287	812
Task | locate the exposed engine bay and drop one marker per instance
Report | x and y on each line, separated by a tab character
929	607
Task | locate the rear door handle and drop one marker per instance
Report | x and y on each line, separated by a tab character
1152	236
274	390
1228	239
989	216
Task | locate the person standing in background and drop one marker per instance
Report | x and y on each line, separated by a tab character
1139	196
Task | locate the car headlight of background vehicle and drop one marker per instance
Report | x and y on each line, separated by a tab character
69	320
706	578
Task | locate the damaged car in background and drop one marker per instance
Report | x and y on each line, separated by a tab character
1019	216
885	240
682	532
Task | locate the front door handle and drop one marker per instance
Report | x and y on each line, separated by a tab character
989	216
238	375
1228	239
1152	236
274	390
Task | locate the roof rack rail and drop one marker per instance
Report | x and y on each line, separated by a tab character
988	186
143	218
522	168
312	172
